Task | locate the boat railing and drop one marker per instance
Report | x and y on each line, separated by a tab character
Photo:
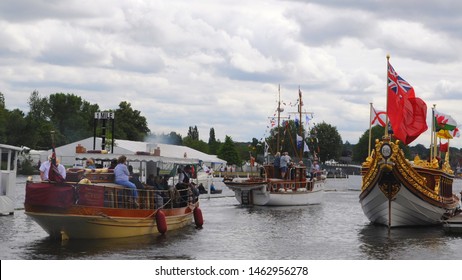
289	185
121	197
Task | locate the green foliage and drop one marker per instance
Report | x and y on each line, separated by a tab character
193	133
229	152
196	144
26	167
129	124
214	145
325	141
361	150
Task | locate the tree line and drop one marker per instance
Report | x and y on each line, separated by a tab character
72	119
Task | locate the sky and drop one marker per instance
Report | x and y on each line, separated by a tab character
220	64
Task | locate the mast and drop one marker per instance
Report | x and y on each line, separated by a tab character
370	128
279	119
432	136
300	104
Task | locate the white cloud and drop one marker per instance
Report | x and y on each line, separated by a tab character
218	63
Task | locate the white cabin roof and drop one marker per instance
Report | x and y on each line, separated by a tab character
168	153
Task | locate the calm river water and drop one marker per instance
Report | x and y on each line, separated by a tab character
335	230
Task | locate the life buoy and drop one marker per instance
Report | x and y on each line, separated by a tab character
161	222
198	219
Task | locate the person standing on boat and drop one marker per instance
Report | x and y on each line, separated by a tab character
277	165
45	169
122	176
284	164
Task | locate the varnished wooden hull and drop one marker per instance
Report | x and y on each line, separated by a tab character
73	211
71	226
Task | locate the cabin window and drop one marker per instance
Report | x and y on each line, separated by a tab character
7	160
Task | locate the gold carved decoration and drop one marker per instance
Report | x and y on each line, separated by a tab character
398	164
389	189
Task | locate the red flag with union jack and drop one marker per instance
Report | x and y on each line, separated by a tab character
407	113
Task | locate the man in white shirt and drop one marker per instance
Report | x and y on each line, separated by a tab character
45	169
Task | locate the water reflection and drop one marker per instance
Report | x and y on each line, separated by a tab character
141	247
378	242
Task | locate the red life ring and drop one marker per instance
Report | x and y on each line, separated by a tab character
161	222
198	219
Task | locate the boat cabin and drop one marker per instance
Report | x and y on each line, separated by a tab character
8	168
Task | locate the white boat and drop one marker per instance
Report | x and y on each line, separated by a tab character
271	190
298	190
8	168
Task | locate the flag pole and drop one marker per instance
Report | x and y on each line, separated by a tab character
279	118
370	126
435	150
432	143
386	117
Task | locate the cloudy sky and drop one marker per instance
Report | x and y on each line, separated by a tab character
210	63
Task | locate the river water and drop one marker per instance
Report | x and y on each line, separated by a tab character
334	230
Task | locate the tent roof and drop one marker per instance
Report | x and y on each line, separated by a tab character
168	153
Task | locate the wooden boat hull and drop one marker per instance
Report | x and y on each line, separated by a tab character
273	192
396	194
82	211
68	226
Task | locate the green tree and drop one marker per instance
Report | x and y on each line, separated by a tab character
327	143
361	150
16	125
129	124
196	144
71	116
38	122
193	133
229	152
213	143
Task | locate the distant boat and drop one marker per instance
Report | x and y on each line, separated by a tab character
95	207
269	190
8	166
396	192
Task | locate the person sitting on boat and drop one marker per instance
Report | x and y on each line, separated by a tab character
153	184
212	188
122	176
90	164
134	178
201	189
113	164
315	169
184	183
284	165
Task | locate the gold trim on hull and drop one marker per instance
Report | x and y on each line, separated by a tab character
388	169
